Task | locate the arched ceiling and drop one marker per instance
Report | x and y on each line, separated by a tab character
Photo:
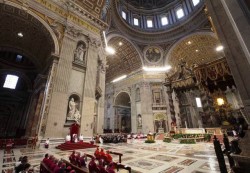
196	49
36	43
122	99
124	61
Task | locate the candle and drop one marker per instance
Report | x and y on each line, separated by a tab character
186	124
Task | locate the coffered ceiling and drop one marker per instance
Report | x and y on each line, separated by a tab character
196	49
124	61
92	6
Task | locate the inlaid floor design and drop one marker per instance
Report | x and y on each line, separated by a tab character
159	157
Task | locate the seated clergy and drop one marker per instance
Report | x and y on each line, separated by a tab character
81	138
97	153
108	157
68	139
72	157
46	145
81	161
75	138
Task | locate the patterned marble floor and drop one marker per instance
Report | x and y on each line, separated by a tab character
159	157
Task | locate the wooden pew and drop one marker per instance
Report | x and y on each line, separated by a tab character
119	154
120	166
76	168
44	168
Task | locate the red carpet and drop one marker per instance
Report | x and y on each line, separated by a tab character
75	146
160	136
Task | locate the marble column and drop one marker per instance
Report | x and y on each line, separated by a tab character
169	91
233	30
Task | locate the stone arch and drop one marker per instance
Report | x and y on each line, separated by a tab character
166	61
122	112
140	53
121	92
44	23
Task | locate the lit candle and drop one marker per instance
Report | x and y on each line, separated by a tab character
186	124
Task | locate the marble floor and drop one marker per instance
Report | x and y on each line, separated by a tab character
159	157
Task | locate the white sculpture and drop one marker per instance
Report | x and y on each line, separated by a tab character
73	113
68	138
81	137
72	108
80	53
139	120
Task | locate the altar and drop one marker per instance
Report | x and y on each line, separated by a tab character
192	130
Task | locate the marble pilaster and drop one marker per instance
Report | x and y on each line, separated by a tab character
101	102
89	99
146	108
133	110
59	96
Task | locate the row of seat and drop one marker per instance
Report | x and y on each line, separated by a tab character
15	142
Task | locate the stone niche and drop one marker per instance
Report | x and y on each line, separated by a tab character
73	111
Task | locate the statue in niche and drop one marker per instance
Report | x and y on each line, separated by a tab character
137	94
139	120
160	123
79	54
73	113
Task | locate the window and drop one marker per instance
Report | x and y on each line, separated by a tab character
179	13
124	15
198	102
149	23
164	20
10	81
136	22
195	2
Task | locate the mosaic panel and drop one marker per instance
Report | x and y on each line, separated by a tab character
145	164
127	158
172	169
187	162
164	158
210	166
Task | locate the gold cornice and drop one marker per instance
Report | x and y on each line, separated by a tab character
69	15
63	13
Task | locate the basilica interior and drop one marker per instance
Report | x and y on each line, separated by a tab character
162	84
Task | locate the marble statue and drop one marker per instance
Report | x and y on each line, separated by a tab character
160	124
81	138
139	120
68	138
73	113
80	53
72	108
